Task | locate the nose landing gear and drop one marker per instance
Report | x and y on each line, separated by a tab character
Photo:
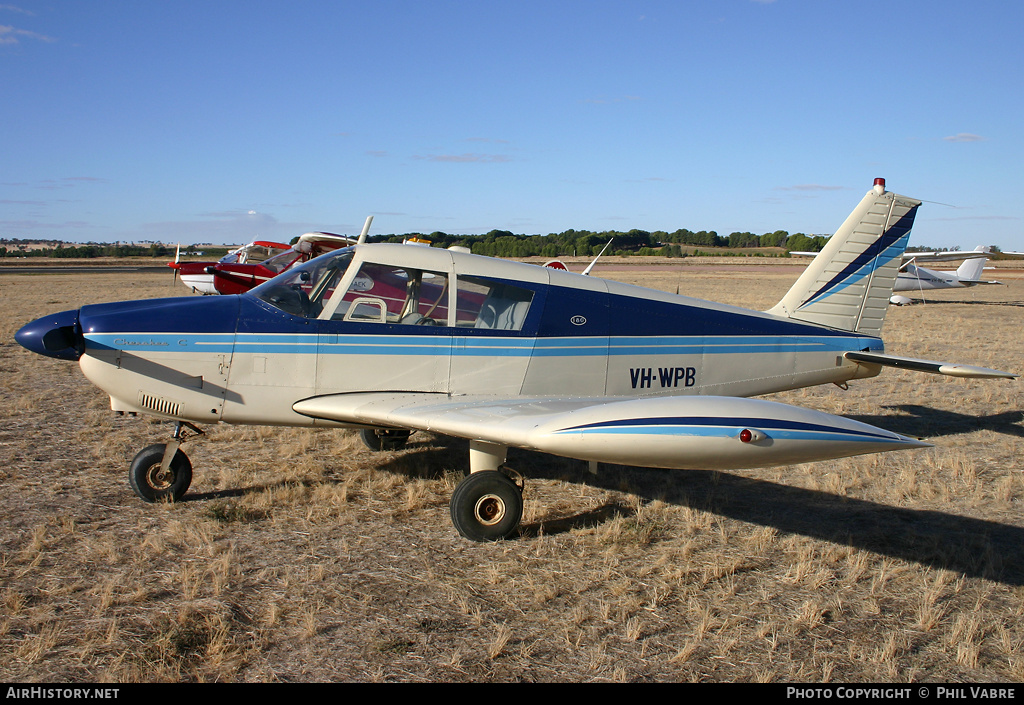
162	472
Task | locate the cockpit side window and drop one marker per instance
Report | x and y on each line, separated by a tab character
384	293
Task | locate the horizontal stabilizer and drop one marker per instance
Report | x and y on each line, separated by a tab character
938	368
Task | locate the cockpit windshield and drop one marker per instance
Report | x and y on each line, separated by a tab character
303	290
282	261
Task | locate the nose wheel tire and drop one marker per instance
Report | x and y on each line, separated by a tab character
154	484
487	506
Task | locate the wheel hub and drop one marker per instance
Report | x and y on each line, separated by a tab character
489	509
158	478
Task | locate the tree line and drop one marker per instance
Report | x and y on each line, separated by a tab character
496	243
61	250
586	243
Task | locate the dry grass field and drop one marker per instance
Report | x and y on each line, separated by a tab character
300	556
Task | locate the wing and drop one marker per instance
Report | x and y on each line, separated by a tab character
949	256
698	432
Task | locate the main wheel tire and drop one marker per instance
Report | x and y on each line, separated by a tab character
487	506
152	485
384	438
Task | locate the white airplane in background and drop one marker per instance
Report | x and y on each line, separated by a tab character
913	277
392	339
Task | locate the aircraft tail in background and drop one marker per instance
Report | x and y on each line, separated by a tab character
971	269
848	284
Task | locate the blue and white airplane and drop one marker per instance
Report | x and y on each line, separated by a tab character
392	339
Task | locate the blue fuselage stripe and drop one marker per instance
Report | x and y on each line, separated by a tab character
470	346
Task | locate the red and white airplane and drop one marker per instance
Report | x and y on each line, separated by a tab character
257	262
238	278
197	277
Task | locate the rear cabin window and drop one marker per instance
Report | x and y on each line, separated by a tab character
491	305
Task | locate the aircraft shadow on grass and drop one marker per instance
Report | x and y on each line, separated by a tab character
922	421
974	547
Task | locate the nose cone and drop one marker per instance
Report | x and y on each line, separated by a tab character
58	335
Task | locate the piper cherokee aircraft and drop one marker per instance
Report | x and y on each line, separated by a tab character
392	339
195	276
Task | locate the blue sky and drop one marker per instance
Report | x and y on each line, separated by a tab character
225	121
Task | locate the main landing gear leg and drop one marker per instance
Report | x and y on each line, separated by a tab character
161	472
384	438
487	505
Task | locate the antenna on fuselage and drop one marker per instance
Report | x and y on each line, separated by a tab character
591	265
366	229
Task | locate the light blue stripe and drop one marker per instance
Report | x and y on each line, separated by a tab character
892	252
730	432
472	346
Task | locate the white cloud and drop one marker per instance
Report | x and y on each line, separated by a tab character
469	157
609	101
14	8
809	187
963	137
13	35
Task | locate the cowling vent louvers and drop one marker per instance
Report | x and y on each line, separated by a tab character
159	404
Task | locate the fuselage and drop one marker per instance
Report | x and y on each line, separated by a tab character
195	277
916	278
473	325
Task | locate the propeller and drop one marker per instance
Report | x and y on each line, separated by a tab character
175	265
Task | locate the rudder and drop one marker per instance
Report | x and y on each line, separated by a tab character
972	269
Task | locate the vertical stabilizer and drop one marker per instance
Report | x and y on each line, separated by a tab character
848	284
971	270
